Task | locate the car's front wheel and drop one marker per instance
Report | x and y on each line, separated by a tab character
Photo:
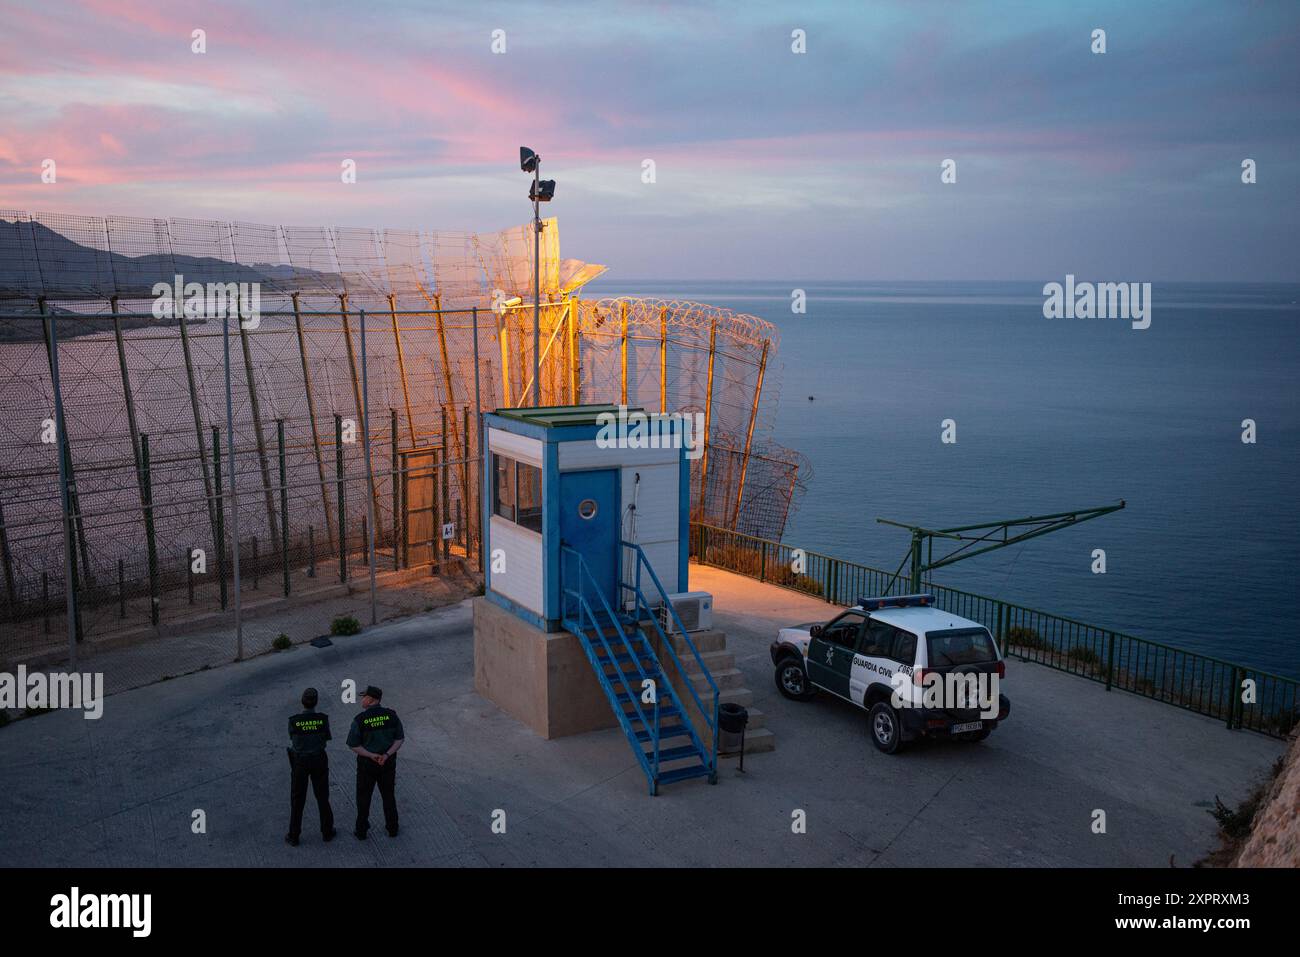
885	728
792	680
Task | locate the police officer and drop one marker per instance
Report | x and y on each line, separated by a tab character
308	732
376	735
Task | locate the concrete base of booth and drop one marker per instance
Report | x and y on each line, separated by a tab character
543	680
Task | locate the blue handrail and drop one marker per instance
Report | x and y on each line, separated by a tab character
641	602
585	612
585	575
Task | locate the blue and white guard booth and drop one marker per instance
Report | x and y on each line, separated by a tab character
565	477
586	534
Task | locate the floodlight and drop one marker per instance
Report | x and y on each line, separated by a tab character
527	159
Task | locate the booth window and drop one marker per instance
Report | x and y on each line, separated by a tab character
517	492
503	488
529	496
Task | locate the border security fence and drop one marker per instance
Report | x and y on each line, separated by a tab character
349	399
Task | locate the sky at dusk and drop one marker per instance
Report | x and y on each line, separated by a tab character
768	164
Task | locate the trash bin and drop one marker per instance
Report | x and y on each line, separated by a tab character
732	719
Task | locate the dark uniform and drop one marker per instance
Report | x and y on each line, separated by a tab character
308	732
375	729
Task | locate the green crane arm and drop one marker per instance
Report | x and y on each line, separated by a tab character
990	535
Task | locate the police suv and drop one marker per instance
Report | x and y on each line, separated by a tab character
917	670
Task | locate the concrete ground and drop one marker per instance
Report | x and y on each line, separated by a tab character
121	791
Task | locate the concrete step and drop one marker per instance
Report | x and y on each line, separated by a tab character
756	740
724	678
741	696
713	660
757	718
712	646
703	640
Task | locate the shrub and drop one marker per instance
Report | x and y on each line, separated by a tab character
807	584
281	643
1236	822
1084	654
345	625
1025	637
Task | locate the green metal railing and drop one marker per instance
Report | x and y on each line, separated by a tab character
1240	696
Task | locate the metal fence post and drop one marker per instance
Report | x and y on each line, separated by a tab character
155	599
220	529
342	497
463	530
201	451
444	505
234	489
372	503
69	528
1110	659
397	493
255	411
749	435
478	446
708	424
311	416
136	439
68	473
284	506
401	373
6	559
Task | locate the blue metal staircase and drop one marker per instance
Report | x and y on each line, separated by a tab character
648	707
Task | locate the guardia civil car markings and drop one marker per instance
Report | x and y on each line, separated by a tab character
916	670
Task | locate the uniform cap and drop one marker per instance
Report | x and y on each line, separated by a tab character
373	692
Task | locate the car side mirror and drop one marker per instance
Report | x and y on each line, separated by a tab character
815	631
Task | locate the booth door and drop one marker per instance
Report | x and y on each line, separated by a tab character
589	525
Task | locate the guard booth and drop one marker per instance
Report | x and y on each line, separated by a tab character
586	525
563	479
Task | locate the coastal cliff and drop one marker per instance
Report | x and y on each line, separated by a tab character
1275	835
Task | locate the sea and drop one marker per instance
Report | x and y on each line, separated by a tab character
1050	415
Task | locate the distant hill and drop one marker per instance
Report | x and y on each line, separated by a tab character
38	261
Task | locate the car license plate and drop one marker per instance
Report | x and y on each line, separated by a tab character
968	726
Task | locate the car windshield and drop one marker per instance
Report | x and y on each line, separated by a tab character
960	646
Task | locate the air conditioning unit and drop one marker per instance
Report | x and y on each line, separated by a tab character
694	608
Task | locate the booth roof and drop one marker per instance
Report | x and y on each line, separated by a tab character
556	416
